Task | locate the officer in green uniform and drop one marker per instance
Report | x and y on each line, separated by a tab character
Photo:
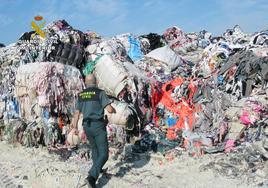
91	103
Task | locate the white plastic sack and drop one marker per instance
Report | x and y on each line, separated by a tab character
122	113
73	139
167	56
110	75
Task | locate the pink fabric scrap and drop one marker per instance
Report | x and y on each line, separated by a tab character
257	108
229	146
245	118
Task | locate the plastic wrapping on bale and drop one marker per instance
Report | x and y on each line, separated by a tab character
123	115
167	56
110	75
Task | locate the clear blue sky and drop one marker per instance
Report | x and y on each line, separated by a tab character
110	17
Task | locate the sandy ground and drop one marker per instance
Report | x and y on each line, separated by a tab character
25	167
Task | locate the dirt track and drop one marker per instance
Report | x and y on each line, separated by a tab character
36	168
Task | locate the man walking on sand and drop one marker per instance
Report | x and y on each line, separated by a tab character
91	103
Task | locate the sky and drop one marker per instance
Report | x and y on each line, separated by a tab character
111	17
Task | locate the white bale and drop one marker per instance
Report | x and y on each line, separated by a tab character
39	82
110	75
28	76
122	113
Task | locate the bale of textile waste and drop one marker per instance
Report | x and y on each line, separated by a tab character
47	83
24	77
110	75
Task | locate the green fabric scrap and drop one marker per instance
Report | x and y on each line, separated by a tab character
90	66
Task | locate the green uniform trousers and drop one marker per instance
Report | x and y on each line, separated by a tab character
97	136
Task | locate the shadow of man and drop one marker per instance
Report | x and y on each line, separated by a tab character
129	161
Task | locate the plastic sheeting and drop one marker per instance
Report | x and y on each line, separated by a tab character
134	51
167	56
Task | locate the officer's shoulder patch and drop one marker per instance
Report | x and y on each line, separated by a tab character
89	94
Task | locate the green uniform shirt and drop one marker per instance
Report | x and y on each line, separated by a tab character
91	103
